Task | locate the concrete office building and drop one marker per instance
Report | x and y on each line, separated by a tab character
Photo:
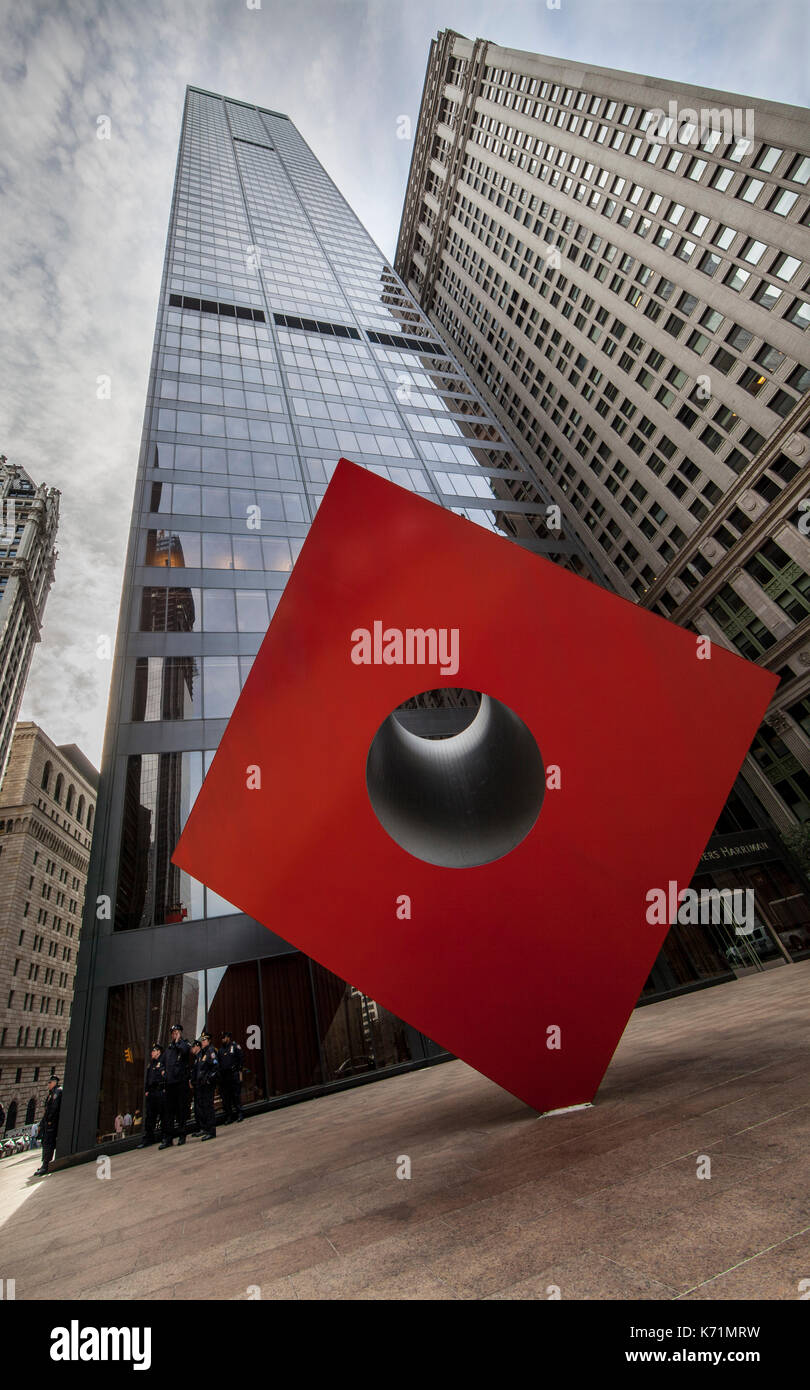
623	264
47	805
29	517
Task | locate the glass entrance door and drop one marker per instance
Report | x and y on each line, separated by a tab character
785	906
744	938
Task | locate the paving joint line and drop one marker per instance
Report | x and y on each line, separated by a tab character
766	1250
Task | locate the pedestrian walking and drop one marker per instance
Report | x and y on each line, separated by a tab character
231	1061
153	1095
50	1124
176	1095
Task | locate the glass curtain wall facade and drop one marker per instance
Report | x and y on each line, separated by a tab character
284	340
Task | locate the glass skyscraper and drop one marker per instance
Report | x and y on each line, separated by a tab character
284	340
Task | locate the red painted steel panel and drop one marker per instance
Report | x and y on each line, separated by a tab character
648	739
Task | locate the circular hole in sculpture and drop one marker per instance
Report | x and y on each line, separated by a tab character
455	777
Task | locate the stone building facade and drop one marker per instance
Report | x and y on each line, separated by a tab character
29	517
623	264
47	806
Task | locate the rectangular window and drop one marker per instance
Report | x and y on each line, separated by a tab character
218	610
767	295
753	251
737	278
724	236
769	357
799	171
709	263
723	360
782	202
785	267
768	158
782	403
799	313
739	337
750	190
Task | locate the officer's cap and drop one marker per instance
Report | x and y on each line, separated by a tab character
176	1028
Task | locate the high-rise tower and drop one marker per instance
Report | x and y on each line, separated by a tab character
283	340
29	517
623	263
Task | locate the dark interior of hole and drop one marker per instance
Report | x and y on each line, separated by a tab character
460	800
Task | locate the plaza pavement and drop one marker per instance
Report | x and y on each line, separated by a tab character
304	1202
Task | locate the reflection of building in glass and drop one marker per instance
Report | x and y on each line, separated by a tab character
136	838
164	688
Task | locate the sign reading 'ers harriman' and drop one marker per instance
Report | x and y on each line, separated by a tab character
490	888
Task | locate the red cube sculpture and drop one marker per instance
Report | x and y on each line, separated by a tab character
490	888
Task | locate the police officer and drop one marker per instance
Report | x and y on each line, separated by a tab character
207	1068
50	1124
230	1079
193	1081
154	1094
175	1105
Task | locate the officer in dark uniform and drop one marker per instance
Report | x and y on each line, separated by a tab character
193	1081
231	1062
207	1075
175	1105
154	1093
50	1124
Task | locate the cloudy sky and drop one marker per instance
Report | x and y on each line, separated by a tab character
84	219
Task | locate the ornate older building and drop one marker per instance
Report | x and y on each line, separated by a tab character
47	805
29	517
